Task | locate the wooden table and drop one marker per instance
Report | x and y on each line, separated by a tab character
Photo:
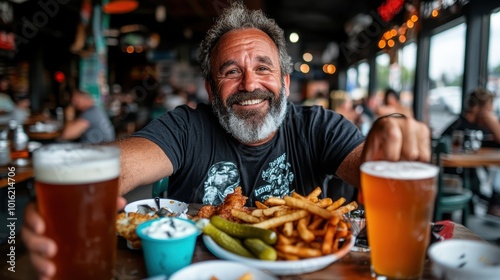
484	157
22	174
130	263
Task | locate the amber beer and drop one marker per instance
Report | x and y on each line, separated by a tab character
77	188
399	204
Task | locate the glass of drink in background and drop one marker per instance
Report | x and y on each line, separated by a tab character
77	188
457	141
399	204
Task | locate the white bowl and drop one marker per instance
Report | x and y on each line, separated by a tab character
177	207
465	259
222	270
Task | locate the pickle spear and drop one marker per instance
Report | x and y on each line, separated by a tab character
244	231
260	249
226	241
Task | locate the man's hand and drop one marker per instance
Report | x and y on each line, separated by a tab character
396	137
40	247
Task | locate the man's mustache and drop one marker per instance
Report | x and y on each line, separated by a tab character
240	96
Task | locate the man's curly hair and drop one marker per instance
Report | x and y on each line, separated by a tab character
237	16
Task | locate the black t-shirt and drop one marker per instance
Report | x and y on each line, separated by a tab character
461	123
209	163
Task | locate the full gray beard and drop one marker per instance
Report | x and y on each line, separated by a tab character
249	130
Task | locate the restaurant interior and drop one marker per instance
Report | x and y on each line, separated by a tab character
138	59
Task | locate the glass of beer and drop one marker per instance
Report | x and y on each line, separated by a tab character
77	188
399	204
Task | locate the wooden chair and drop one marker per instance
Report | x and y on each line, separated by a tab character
449	199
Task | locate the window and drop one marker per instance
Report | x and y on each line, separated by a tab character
398	73
446	68
357	80
407	61
382	83
494	59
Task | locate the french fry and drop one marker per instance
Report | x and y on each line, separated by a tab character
274	201
280	220
336	204
313	196
326	248
334	221
258	213
342	230
346	208
284	240
246	276
335	245
260	205
325	202
288	229
309	206
296	195
316	222
303	252
270	211
304	233
306	225
287	256
244	216
315	245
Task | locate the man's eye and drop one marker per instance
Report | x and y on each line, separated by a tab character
263	69
232	73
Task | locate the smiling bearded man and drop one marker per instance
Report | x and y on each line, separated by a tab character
250	126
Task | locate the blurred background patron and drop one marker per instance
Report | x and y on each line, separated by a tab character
91	124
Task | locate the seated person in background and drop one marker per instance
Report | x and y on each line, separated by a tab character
91	125
478	115
7	108
341	103
392	104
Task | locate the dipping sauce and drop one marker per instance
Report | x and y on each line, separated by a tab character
167	228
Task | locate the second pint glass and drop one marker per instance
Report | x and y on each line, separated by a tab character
77	188
399	204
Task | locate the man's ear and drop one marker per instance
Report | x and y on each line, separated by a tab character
208	88
286	80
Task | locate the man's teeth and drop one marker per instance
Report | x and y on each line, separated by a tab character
251	102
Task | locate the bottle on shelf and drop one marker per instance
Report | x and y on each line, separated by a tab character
18	144
4	148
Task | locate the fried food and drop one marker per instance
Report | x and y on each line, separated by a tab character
126	223
235	200
307	226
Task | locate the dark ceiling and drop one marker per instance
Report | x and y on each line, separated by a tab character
318	22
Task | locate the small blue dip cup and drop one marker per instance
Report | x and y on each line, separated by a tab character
165	256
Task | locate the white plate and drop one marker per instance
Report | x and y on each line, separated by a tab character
177	207
223	270
280	267
465	259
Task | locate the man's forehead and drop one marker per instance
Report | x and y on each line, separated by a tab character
240	37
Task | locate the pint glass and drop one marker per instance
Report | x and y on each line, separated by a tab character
399	203
77	188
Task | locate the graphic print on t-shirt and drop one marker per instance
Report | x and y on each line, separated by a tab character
279	176
222	179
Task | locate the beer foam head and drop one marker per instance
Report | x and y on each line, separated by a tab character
404	170
76	163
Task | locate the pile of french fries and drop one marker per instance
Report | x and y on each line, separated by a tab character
307	226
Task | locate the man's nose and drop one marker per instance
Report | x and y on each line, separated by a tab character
248	82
